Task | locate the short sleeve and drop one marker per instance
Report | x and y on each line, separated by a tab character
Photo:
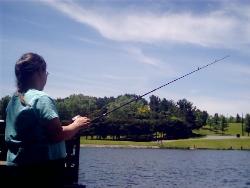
46	108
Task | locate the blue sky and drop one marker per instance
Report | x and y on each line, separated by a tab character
108	48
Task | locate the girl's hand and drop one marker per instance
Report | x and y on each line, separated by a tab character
81	122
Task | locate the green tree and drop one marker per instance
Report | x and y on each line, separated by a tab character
139	119
238	118
63	110
231	119
126	112
247	123
187	113
223	124
200	118
154	103
216	121
210	122
168	106
143	112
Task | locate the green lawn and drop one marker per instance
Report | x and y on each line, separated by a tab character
236	143
196	143
114	142
233	129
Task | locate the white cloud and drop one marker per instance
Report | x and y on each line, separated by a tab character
118	77
89	41
227	28
141	57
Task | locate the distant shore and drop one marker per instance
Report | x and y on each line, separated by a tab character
119	146
209	142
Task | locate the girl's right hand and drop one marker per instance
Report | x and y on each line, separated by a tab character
81	122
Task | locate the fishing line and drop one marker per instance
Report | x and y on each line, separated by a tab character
153	90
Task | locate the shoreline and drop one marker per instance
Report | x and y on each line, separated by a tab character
155	147
207	143
117	146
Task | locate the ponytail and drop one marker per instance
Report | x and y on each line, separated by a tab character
28	64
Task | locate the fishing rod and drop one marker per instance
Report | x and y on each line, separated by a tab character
75	145
164	85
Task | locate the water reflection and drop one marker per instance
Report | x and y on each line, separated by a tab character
107	167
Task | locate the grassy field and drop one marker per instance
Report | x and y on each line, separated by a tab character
114	142
233	129
235	143
242	143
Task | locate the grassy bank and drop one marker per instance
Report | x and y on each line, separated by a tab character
197	143
233	129
117	143
235	143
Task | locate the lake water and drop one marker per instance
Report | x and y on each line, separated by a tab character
148	168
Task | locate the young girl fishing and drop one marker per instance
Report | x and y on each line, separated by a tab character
33	134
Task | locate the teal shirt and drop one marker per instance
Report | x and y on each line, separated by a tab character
25	132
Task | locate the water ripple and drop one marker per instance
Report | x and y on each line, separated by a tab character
152	168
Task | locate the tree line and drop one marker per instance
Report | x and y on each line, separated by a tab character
141	120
